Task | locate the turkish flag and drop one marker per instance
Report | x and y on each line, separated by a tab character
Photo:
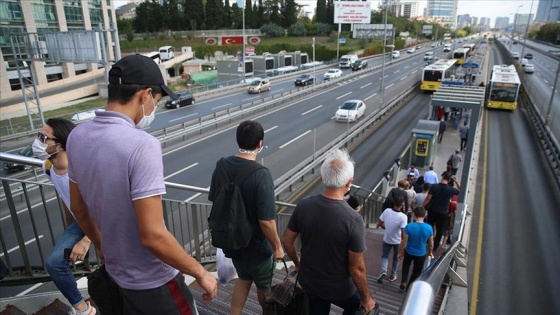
232	40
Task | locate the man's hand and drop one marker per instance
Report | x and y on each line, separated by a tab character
278	253
210	285
400	256
80	250
368	304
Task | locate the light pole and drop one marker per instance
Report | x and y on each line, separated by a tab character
514	24
547	119
243	52
314	79
526	30
382	91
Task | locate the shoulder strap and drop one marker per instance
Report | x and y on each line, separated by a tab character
241	176
222	172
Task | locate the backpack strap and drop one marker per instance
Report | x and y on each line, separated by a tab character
240	176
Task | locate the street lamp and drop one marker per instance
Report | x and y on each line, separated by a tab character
526	30
382	91
314	79
514	24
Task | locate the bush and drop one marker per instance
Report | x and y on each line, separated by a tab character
297	29
146	36
176	36
323	29
272	30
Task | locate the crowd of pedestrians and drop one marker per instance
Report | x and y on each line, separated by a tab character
117	207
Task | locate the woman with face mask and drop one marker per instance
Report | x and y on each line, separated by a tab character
72	245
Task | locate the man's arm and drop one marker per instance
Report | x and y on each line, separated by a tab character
288	240
81	212
357	270
427	200
68	218
380	224
156	238
404	240
269	230
431	246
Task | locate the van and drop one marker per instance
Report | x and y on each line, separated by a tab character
396	54
346	61
447	48
166	53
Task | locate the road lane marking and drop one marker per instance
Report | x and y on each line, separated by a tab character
403	77
294	139
545	81
385	76
220	106
367	98
406	67
390	85
26	243
270	129
414	71
363	86
182	117
311	110
181	170
343	95
477	259
397	71
21	211
24	292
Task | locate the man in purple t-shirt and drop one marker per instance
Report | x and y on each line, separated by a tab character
116	183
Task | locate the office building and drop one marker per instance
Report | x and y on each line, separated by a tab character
406	9
443	11
548	11
501	22
520	21
45	16
464	20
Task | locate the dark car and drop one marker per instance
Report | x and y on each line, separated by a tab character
182	99
11	167
359	64
528	56
304	79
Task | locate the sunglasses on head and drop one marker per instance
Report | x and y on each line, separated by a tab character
43	137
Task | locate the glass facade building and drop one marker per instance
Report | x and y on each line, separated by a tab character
19	17
443	11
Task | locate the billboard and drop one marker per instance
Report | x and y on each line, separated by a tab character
351	12
427	30
74	46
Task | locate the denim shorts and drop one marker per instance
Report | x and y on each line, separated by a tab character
260	273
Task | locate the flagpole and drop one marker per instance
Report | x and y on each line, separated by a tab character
243	52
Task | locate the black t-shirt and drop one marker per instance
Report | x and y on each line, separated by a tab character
441	194
258	195
328	230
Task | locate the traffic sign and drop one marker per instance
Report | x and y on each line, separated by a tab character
469	64
249	49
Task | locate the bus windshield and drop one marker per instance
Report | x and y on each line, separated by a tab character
504	93
433	75
458	55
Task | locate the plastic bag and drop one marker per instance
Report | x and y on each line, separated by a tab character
226	269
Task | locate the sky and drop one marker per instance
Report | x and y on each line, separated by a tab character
477	8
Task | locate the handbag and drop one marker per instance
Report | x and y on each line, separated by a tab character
286	297
105	292
226	269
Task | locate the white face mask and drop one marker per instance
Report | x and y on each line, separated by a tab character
147	120
40	150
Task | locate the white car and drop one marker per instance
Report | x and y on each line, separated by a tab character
396	54
332	74
515	55
524	62
410	51
350	110
529	68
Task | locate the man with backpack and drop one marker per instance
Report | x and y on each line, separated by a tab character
397	191
239	178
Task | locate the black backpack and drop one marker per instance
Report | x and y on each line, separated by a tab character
229	225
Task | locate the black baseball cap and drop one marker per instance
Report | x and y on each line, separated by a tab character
140	70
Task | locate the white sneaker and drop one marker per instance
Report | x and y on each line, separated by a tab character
90	310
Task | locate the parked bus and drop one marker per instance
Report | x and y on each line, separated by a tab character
433	75
154	55
470	47
166	53
504	87
461	55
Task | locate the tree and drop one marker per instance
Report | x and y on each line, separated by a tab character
248	14
227	21
173	17
194	13
321	14
290	11
215	11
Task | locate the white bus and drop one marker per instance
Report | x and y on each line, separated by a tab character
154	55
433	75
166	53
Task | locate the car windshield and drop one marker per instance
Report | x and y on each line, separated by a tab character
349	106
304	76
256	83
331	71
